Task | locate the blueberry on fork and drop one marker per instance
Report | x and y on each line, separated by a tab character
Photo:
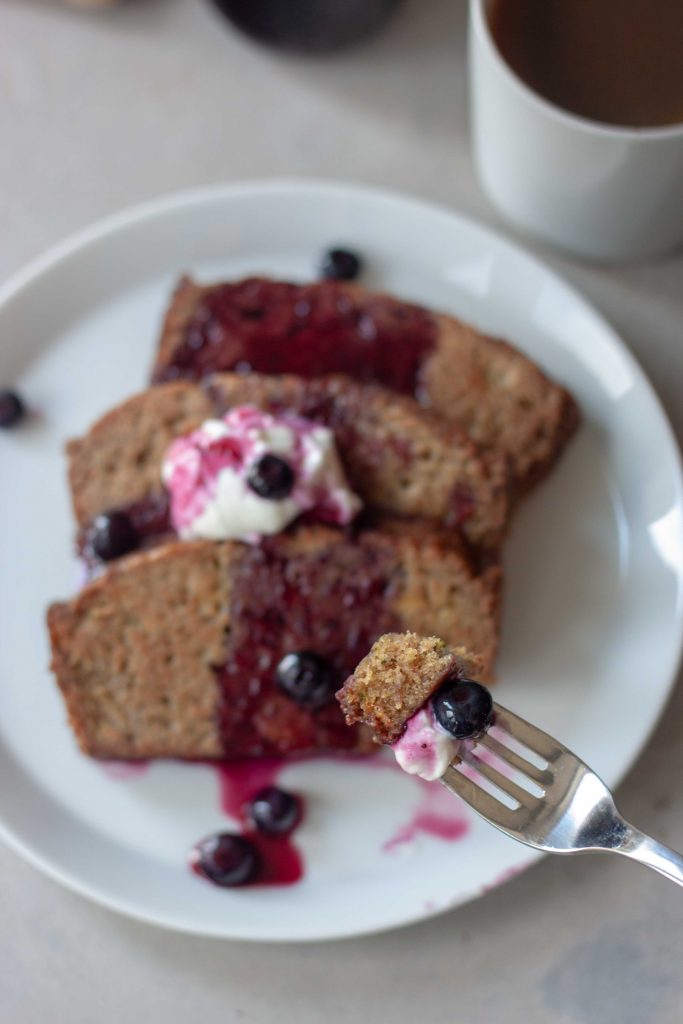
462	707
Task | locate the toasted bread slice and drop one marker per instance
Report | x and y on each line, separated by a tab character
173	652
486	386
400	459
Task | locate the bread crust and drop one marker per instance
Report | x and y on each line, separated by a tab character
133	653
119	460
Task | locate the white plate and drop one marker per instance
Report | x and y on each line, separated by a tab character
592	628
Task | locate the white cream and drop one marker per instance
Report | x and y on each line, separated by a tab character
424	748
207	476
234	511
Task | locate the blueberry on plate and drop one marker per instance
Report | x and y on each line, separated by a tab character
341	265
307	678
113	535
225	859
275	811
271	478
462	707
12	409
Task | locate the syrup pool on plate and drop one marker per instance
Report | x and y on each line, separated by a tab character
277	859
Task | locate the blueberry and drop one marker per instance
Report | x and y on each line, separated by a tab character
225	859
271	478
341	265
307	678
275	811
12	409
464	708
113	535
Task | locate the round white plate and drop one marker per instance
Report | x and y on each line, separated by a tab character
592	624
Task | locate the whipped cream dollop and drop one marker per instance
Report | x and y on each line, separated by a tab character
207	475
425	748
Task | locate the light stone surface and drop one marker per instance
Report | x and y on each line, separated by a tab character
98	111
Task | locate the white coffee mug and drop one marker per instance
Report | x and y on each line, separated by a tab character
600	191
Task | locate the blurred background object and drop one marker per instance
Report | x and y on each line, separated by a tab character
300	26
91	4
308	26
600	176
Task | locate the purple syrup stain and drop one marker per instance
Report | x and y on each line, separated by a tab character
308	330
436	815
281	861
239	782
332	602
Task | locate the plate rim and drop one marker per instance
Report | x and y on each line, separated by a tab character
99	231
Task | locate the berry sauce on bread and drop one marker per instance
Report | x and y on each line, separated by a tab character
489	388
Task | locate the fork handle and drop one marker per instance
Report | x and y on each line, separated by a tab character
648	851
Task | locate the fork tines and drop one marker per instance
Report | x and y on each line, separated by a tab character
498	781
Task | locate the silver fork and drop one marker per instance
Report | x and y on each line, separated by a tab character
568	810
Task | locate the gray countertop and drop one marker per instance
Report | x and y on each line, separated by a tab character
99	111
